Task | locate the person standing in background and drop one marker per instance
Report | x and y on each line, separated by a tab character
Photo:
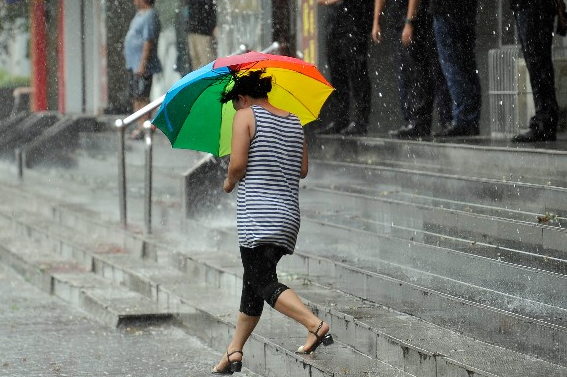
201	26
534	21
419	73
454	23
348	29
140	53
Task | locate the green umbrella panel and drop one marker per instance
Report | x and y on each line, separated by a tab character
192	116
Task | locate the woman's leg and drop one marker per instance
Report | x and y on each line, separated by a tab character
245	324
289	304
283	299
251	306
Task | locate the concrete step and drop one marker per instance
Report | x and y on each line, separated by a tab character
495	192
98	195
419	217
65	278
495	317
518	289
405	293
25	131
538	163
402	339
100	171
156	280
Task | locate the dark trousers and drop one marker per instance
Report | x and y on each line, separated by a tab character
260	280
535	31
347	52
421	78
404	82
456	39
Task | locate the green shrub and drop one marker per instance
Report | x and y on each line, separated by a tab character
7	80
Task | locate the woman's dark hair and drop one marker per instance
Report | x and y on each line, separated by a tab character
249	84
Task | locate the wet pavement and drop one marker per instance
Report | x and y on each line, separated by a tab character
44	336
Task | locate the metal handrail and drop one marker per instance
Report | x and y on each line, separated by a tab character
275	46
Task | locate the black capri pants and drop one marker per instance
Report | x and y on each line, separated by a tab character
260	280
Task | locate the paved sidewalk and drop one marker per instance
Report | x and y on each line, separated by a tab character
43	336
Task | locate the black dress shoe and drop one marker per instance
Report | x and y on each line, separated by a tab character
456	130
409	132
533	135
355	129
330	129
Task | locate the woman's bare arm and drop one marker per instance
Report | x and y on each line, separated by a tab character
241	136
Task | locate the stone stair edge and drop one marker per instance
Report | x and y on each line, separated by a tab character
426	291
463	215
344	191
414	242
381	141
487	180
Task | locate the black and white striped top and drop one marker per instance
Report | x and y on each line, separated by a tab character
268	196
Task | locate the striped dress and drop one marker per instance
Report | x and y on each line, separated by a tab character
267	209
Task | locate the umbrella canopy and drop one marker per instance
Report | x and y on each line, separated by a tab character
192	117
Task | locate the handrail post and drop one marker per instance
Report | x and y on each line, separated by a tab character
19	164
121	127
148	178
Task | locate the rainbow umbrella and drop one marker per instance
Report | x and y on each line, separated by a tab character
192	117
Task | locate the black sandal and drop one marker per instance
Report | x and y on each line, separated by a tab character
233	366
326	340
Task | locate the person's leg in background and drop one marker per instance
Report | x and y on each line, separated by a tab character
359	83
403	87
338	66
200	49
140	87
417	77
442	104
535	31
456	40
420	98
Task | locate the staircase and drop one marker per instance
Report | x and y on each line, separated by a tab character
427	259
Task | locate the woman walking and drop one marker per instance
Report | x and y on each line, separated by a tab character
268	157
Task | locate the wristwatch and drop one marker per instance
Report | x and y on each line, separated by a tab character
408	21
